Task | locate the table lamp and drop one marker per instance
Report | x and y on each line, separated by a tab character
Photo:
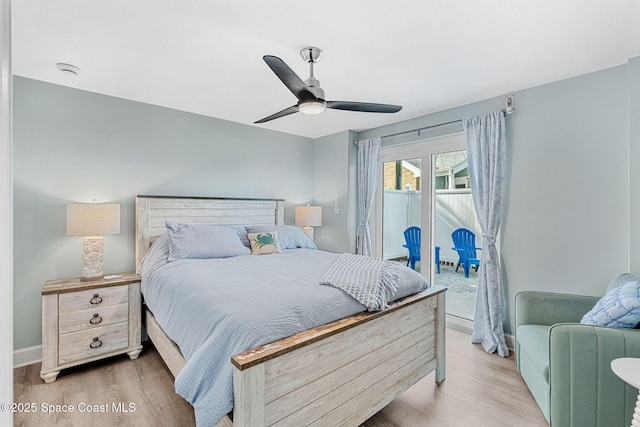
308	217
92	220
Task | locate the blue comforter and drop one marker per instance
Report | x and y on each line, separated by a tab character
215	308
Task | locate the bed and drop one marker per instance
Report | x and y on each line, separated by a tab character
338	373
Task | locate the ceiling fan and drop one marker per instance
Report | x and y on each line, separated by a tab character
310	95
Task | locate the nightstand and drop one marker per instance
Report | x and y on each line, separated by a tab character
87	321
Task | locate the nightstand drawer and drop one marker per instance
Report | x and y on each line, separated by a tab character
91	318
93	298
88	344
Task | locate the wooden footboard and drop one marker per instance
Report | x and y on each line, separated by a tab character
337	374
344	372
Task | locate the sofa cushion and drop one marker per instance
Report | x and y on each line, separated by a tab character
619	308
620	280
534	345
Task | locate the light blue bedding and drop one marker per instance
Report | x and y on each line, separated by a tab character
215	308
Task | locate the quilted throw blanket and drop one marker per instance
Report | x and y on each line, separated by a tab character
370	281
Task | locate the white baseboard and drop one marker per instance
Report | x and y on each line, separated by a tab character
466	326
27	356
460	324
511	341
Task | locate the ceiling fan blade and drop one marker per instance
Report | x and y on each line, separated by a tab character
366	107
289	78
285	112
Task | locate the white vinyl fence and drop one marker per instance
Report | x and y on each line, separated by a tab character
454	209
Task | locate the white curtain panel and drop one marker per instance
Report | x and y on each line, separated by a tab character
368	175
486	145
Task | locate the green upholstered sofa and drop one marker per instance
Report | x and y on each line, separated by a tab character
567	366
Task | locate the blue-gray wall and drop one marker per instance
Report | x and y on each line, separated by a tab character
572	202
333	177
76	146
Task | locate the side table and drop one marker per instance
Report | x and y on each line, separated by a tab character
628	369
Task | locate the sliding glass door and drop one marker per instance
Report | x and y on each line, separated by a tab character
453	213
425	188
402	210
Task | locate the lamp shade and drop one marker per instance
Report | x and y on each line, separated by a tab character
308	216
93	219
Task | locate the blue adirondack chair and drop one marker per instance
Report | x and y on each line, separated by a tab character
412	238
465	244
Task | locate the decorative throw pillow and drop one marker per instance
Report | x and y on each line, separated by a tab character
619	308
264	243
197	241
289	237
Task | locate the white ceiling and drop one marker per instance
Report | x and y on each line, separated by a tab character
205	56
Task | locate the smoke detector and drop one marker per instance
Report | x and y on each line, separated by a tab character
68	69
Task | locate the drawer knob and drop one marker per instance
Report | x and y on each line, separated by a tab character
96	319
95	343
96	299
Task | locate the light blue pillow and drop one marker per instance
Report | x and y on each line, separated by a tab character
197	241
619	308
289	237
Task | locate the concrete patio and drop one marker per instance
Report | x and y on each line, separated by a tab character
461	291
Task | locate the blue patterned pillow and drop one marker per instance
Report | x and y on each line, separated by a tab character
289	237
619	308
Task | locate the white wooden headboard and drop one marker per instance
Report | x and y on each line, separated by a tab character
152	211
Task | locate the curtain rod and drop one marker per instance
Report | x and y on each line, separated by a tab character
505	110
422	128
509	109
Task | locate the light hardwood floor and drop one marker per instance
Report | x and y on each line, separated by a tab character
480	390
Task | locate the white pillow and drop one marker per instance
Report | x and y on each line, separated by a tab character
197	241
264	243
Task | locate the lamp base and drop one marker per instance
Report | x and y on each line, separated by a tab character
308	231
92	258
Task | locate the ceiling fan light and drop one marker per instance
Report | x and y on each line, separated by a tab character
311	107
